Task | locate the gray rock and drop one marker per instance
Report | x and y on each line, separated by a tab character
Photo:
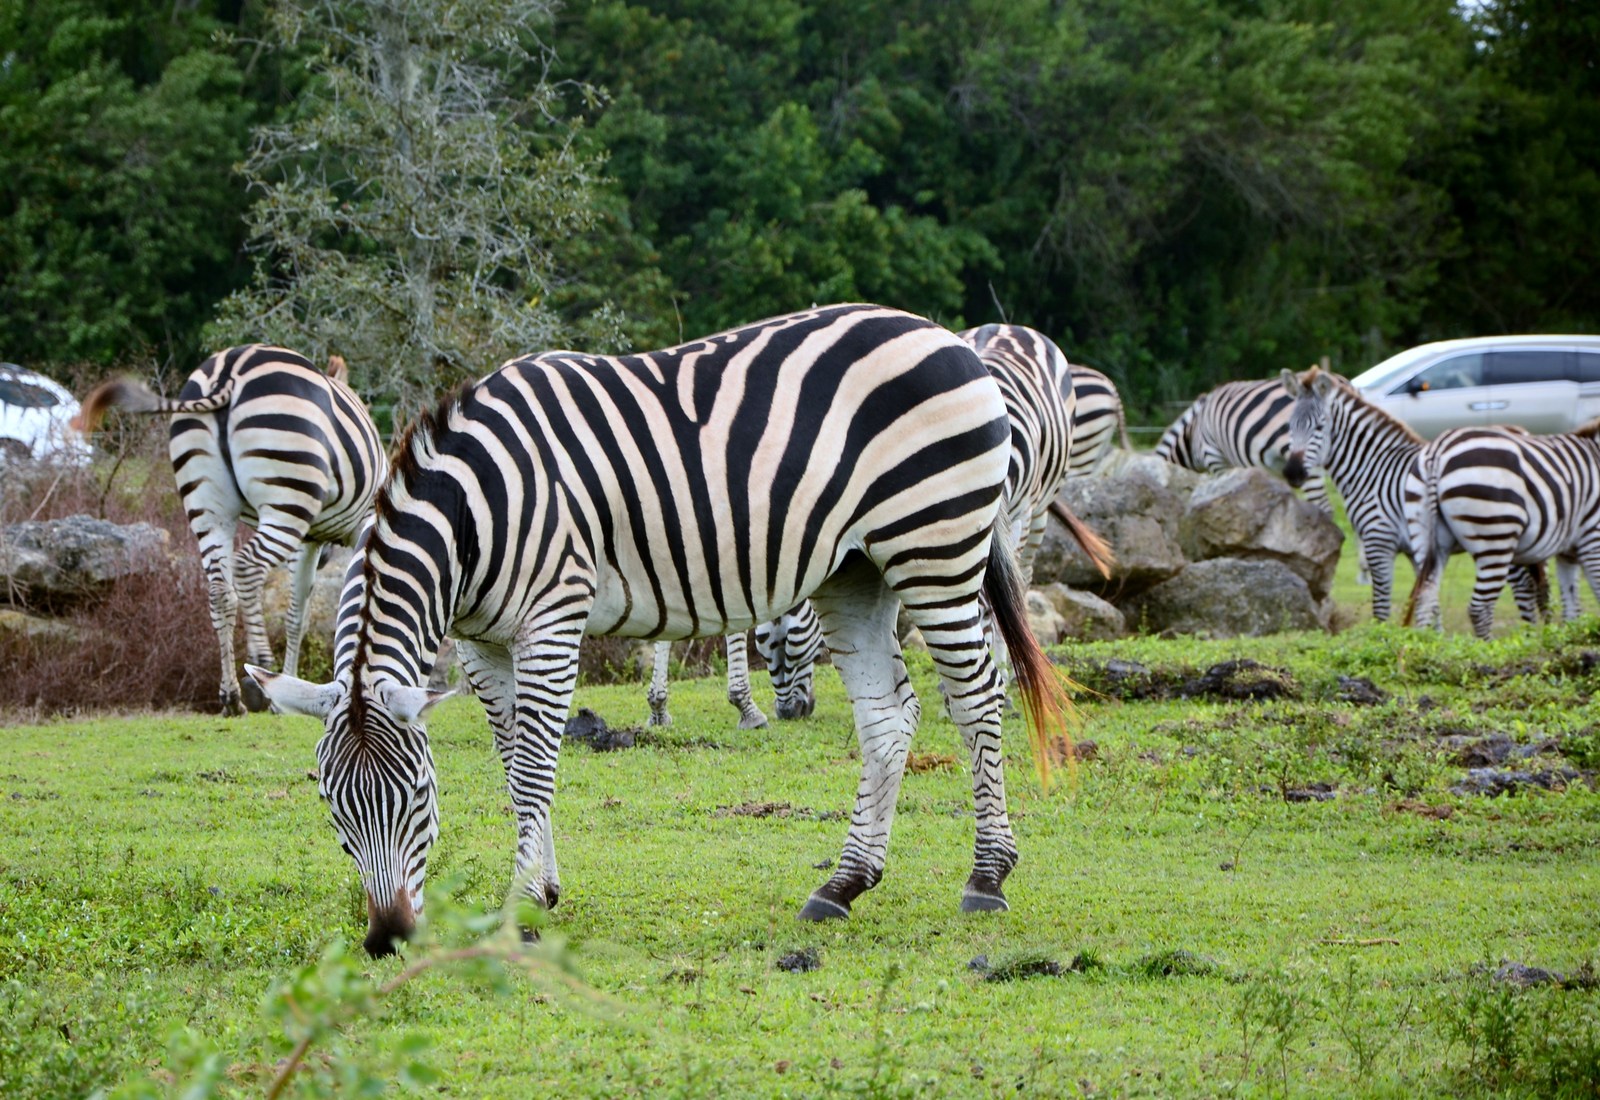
323	612
36	628
1250	513
1135	513
1045	621
1085	616
60	562
1227	598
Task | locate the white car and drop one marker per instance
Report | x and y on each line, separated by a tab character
35	415
1541	383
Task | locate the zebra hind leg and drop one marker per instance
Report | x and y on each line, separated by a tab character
306	562
215	535
750	716
858	613
278	537
661	657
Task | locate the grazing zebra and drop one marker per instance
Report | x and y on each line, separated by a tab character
1508	498
260	435
1236	424
1098	421
851	454
1367	453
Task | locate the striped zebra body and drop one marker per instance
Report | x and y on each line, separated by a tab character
854	455
1367	453
261	436
1509	499
1099	423
1039	389
1236	424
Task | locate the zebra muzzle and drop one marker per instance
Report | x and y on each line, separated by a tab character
1294	470
389	923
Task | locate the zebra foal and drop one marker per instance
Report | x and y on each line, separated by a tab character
851	454
1509	499
260	435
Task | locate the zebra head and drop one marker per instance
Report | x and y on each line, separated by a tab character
375	770
789	645
1309	422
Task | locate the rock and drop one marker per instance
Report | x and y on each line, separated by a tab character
1252	514
1085	616
1359	690
1241	679
1136	513
802	961
35	628
1227	598
1045	621
1493	782
591	729
1524	977
59	562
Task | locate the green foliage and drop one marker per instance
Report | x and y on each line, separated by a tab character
121	216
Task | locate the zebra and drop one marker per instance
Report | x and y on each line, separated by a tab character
852	454
1236	424
1098	421
1040	392
258	434
1509	499
1367	453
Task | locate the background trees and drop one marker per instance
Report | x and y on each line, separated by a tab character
1180	191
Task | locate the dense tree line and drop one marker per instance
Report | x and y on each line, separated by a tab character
1180	191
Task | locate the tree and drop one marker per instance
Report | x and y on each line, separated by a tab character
410	212
119	215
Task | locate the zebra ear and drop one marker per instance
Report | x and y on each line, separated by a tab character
411	704
291	696
1291	382
1323	384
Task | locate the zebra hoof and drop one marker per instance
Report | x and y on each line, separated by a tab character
819	909
662	719
972	902
255	700
756	721
231	706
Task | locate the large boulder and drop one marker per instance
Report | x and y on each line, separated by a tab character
1135	508
1228	597
1250	513
59	562
1044	620
1084	616
323	613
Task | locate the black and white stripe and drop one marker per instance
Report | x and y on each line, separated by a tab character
854	455
260	436
1367	453
1099	423
1236	424
1509	499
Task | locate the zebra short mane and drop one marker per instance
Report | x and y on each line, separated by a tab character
403	464
1380	414
1591	430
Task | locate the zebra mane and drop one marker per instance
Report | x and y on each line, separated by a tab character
1591	430
404	464
1382	415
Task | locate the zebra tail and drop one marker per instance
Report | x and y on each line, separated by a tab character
131	395
1427	550
1089	541
1122	427
1046	705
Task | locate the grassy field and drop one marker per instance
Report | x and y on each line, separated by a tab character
1233	897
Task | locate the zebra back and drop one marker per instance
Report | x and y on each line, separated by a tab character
1099	422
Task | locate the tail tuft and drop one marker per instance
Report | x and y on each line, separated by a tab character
123	393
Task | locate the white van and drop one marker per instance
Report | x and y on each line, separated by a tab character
1541	383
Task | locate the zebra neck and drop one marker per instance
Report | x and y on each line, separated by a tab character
408	608
1361	439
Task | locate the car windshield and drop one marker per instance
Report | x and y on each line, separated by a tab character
25	395
1390	367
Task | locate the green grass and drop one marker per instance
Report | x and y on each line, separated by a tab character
169	870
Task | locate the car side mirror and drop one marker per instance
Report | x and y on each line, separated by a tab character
1416	385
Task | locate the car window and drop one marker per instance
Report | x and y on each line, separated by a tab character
1453	373
1588	366
24	395
1508	368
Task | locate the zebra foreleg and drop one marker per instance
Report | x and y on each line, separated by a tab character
750	716
657	696
490	671
306	561
858	619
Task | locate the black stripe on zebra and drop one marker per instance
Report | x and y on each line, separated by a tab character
853	454
1099	422
1509	499
261	436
